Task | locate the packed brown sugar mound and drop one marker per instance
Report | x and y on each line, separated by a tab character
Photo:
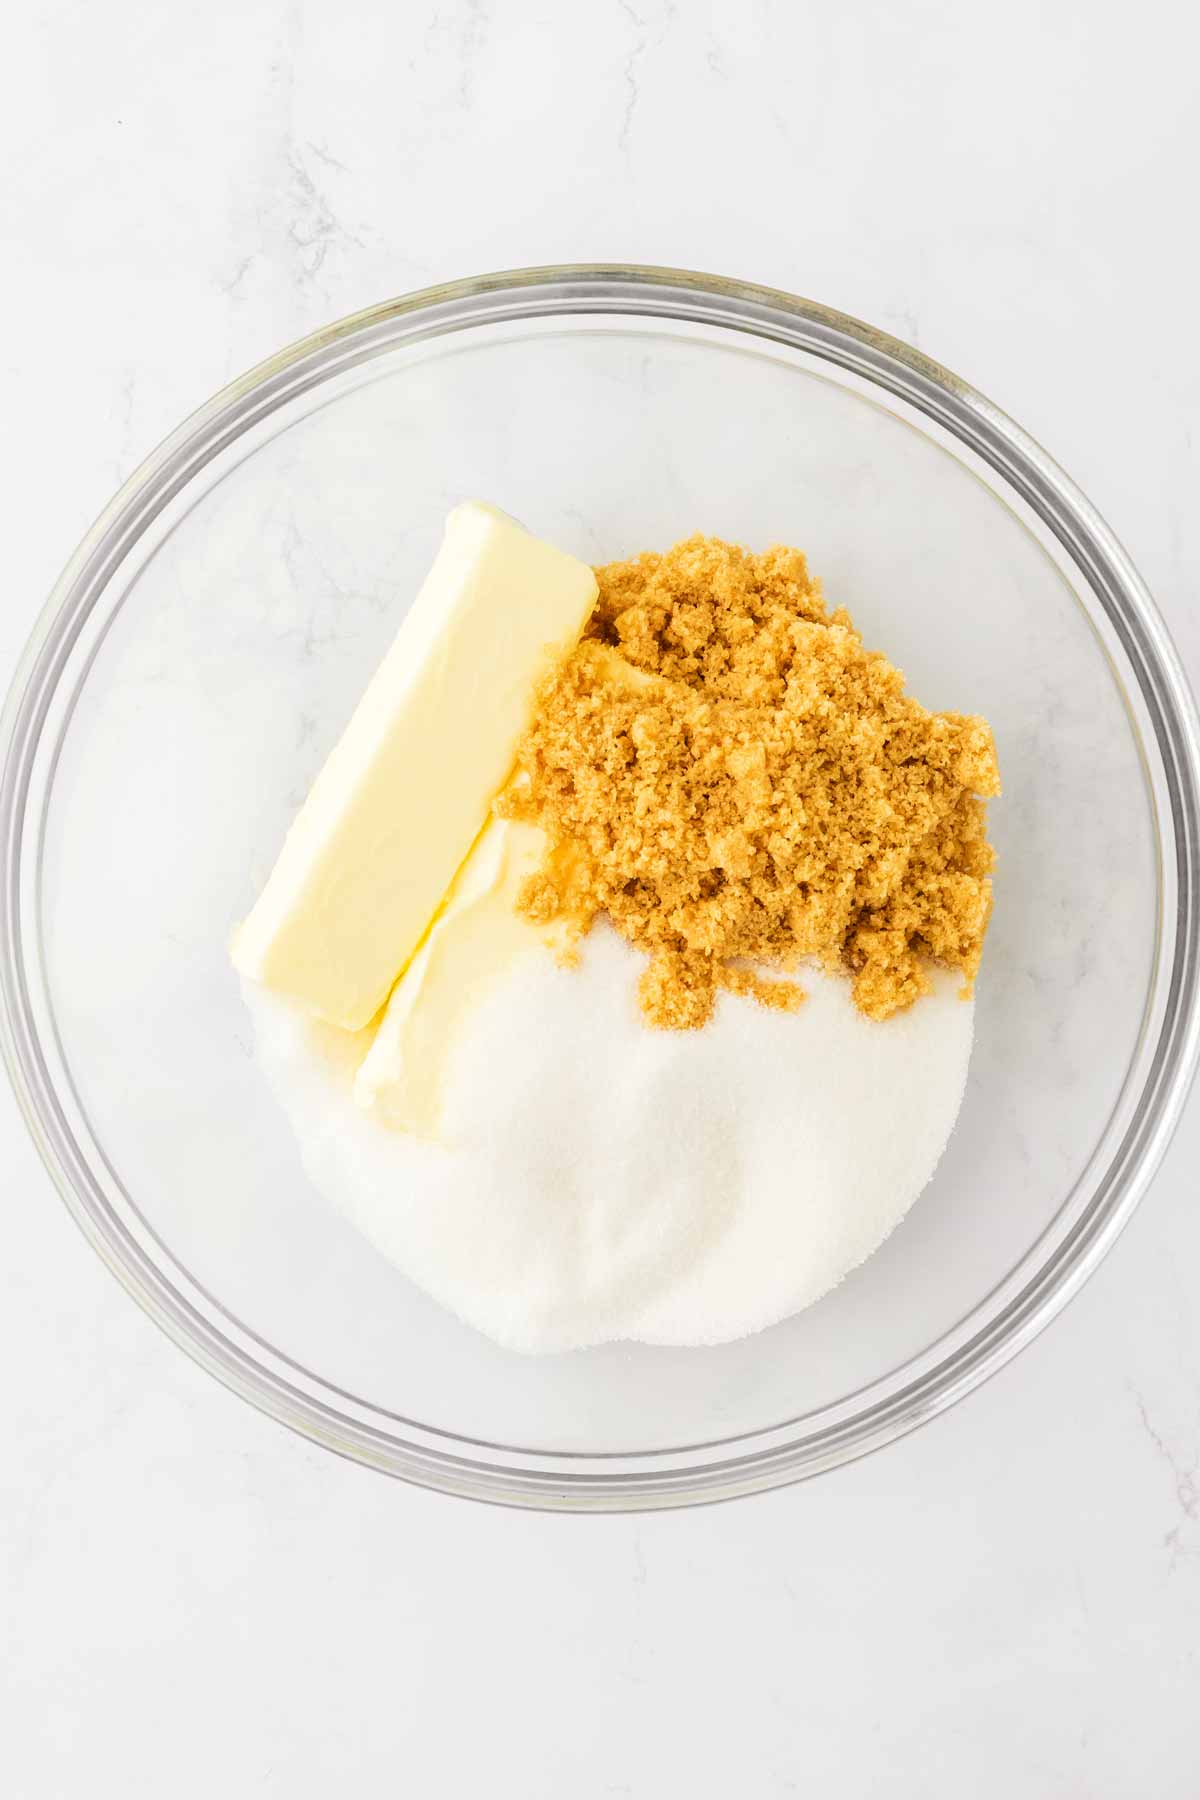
725	772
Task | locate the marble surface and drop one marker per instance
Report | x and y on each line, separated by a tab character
195	1601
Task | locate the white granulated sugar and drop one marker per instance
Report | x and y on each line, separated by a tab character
602	1180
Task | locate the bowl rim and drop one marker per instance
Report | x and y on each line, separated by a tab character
1035	1291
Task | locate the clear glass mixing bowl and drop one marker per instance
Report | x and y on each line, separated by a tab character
213	632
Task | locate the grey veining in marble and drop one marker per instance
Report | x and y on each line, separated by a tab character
1004	1603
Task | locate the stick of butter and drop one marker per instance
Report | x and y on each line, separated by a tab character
404	793
471	943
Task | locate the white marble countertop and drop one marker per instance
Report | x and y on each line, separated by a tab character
195	1601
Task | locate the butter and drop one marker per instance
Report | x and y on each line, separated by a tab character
473	940
406	791
612	667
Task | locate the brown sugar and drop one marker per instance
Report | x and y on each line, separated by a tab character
737	784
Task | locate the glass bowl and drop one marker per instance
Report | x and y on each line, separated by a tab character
211	635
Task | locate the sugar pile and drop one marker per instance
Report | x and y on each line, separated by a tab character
600	1180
